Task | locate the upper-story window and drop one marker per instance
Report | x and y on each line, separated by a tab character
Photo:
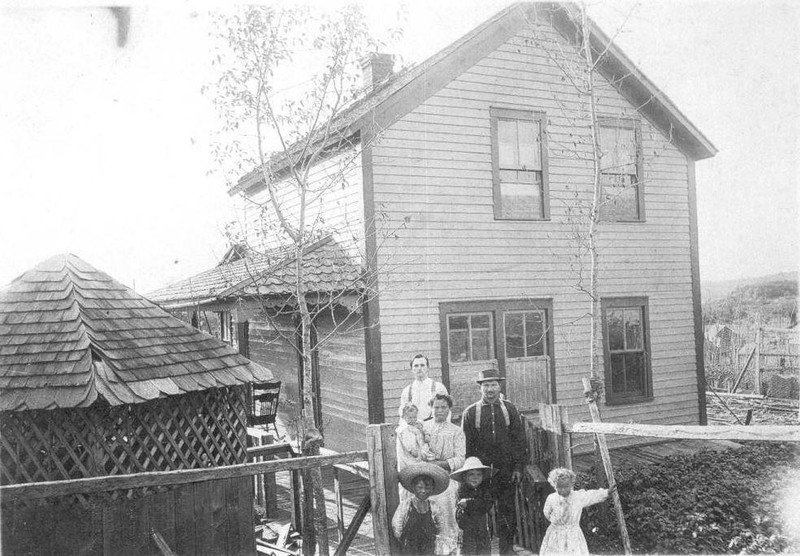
621	171
519	165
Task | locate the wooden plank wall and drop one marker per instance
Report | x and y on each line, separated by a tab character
340	208
210	517
269	347
342	372
343	381
434	167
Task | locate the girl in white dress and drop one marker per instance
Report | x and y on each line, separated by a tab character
563	510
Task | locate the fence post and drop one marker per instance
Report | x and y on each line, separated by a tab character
757	369
384	497
553	418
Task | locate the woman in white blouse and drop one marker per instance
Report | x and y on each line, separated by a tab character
449	447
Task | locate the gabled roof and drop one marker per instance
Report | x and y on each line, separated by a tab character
70	333
410	87
327	268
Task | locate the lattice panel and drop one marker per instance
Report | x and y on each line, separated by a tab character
200	429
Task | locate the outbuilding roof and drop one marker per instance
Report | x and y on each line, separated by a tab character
407	89
70	333
327	268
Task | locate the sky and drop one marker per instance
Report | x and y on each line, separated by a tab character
105	150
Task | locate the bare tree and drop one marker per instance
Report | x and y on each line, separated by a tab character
282	136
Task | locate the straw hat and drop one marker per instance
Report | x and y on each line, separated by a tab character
489	374
470	464
438	475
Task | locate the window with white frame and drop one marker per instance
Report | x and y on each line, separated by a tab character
622	197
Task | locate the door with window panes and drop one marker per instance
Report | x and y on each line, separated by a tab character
526	358
513	337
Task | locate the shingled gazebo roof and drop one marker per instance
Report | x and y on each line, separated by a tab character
70	333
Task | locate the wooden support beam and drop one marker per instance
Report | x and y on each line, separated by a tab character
165	478
337	495
757	364
775	433
744	370
384	496
591	399
355	525
162	545
284	448
735	395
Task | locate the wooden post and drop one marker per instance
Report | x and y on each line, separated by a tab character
337	492
384	496
591	399
744	370
757	368
553	417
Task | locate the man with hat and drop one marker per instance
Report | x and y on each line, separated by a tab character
495	435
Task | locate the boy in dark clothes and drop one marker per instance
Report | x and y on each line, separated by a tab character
417	522
474	503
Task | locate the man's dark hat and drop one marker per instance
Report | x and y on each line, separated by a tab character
489	374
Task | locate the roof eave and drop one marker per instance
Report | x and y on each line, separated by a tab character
636	87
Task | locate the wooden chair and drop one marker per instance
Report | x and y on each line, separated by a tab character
264	409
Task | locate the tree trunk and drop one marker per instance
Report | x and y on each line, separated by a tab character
594	215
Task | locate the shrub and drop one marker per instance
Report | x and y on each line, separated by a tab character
710	503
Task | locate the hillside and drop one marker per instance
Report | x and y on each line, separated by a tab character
712	290
771	299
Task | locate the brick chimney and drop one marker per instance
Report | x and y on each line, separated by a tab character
376	68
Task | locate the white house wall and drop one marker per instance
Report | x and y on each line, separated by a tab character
339	209
434	166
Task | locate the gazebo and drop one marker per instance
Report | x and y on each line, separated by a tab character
96	380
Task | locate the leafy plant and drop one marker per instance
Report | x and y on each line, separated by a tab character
710	503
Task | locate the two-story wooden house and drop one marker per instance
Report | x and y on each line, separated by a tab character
478	161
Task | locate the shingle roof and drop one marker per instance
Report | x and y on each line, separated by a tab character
327	268
70	333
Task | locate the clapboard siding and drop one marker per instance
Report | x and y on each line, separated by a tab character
343	381
272	344
433	170
337	205
342	371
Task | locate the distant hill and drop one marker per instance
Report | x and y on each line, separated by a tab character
771	300
720	289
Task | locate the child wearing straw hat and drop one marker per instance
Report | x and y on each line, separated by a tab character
417	522
474	503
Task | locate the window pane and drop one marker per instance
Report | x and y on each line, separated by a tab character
634	373
458	341
521	200
626	150
507	143
481	345
529	149
619	197
458	323
534	333
617	373
633	329
481	321
616	334
618	147
515	345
